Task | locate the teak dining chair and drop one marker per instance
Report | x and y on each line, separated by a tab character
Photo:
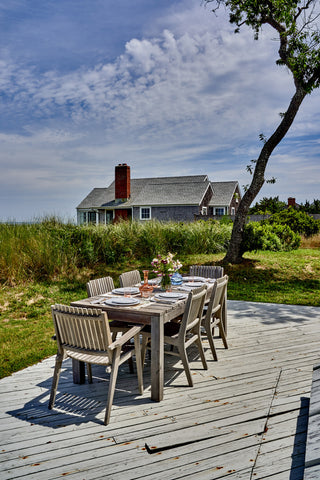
98	286
212	271
84	335
212	316
182	334
207	271
129	279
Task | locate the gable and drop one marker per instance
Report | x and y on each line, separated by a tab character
223	193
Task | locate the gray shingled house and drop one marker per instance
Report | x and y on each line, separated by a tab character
162	198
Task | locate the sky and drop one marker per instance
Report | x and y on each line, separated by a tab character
164	86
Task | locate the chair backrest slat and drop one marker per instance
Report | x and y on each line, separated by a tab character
207	271
99	286
193	310
81	328
129	279
217	296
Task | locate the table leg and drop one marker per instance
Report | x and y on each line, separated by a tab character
78	371
157	359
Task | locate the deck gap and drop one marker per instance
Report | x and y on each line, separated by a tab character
266	424
153	449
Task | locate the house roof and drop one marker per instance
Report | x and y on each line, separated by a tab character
222	193
185	190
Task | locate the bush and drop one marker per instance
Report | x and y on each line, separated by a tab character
260	236
298	221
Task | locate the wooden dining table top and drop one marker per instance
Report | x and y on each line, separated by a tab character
144	310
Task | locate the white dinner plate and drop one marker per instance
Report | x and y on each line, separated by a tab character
193	284
194	279
171	295
122	302
123	290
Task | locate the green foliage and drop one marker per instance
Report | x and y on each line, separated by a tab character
263	236
313	207
298	221
49	250
267	206
226	220
297	30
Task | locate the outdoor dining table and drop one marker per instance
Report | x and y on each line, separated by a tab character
146	312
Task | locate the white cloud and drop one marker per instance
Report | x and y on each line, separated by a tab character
190	97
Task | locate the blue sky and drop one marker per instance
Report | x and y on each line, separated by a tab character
165	87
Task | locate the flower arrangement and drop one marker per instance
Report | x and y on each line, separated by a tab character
164	266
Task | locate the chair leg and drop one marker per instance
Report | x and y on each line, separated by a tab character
184	359
222	334
130	363
211	343
112	384
55	380
202	355
89	372
224	314
144	342
139	362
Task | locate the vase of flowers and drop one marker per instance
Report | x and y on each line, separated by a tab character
165	266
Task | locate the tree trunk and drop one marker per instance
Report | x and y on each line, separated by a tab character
234	253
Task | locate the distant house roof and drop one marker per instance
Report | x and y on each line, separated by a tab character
185	190
222	193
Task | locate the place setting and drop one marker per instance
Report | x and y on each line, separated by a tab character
189	283
168	297
192	279
121	301
126	291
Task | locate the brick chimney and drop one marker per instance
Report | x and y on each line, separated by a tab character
291	202
122	181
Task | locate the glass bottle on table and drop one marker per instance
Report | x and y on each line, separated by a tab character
146	289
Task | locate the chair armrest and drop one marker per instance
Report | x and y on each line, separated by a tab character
125	337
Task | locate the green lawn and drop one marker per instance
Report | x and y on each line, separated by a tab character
25	320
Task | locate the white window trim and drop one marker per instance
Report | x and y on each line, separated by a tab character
145	208
204	211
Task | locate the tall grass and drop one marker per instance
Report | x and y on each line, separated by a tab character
51	249
311	242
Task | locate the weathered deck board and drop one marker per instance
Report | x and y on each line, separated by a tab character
312	463
246	416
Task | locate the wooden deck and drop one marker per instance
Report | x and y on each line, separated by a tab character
245	418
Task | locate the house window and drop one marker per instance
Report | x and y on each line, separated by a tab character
233	211
219	211
82	217
87	217
91	217
145	213
204	211
109	216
